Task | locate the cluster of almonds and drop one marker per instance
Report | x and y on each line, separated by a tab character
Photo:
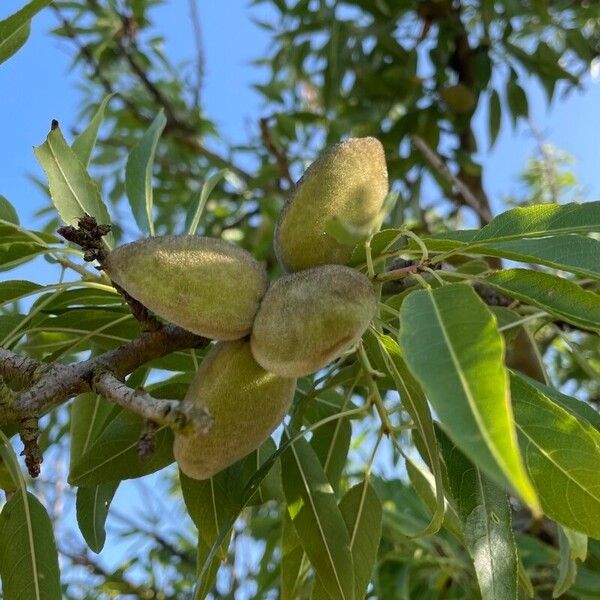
267	335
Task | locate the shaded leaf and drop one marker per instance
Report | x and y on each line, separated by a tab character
558	296
192	220
562	456
84	143
138	175
7	211
317	519
113	456
92	506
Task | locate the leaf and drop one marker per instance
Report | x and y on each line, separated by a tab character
209	580
113	456
383	242
74	193
138	174
362	512
28	556
567	567
415	403
558	296
317	519
292	557
11	291
494	116
569	252
578	408
461	368
331	443
517	101
84	143
7	211
540	221
486	516
89	412
194	215
270	487
92	506
423	484
210	505
562	456
14	30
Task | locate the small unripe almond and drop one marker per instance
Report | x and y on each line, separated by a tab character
246	404
309	318
205	285
349	182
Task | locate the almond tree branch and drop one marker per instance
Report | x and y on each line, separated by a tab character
51	385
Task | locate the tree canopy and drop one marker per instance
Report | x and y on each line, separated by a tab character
421	377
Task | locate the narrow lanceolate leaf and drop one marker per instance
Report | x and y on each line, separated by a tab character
318	520
14	30
292	557
138	175
331	443
415	403
575	253
197	207
540	221
362	513
567	567
558	296
113	455
92	506
73	192
451	343
83	144
210	505
486	517
28	556
562	456
7	211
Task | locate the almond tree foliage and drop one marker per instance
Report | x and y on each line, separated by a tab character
454	452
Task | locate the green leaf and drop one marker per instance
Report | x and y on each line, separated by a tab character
569	252
494	116
362	512
578	408
517	101
13	290
415	403
113	456
192	220
292	558
210	505
84	143
486	516
14	30
7	211
28	556
73	192
317	519
211	576
89	413
383	242
138	174
270	487
562	456
423	484
567	567
558	296
331	443
461	369
92	506
540	221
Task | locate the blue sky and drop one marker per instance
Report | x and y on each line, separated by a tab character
36	86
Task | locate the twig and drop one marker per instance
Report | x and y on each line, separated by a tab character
438	164
278	154
174	413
